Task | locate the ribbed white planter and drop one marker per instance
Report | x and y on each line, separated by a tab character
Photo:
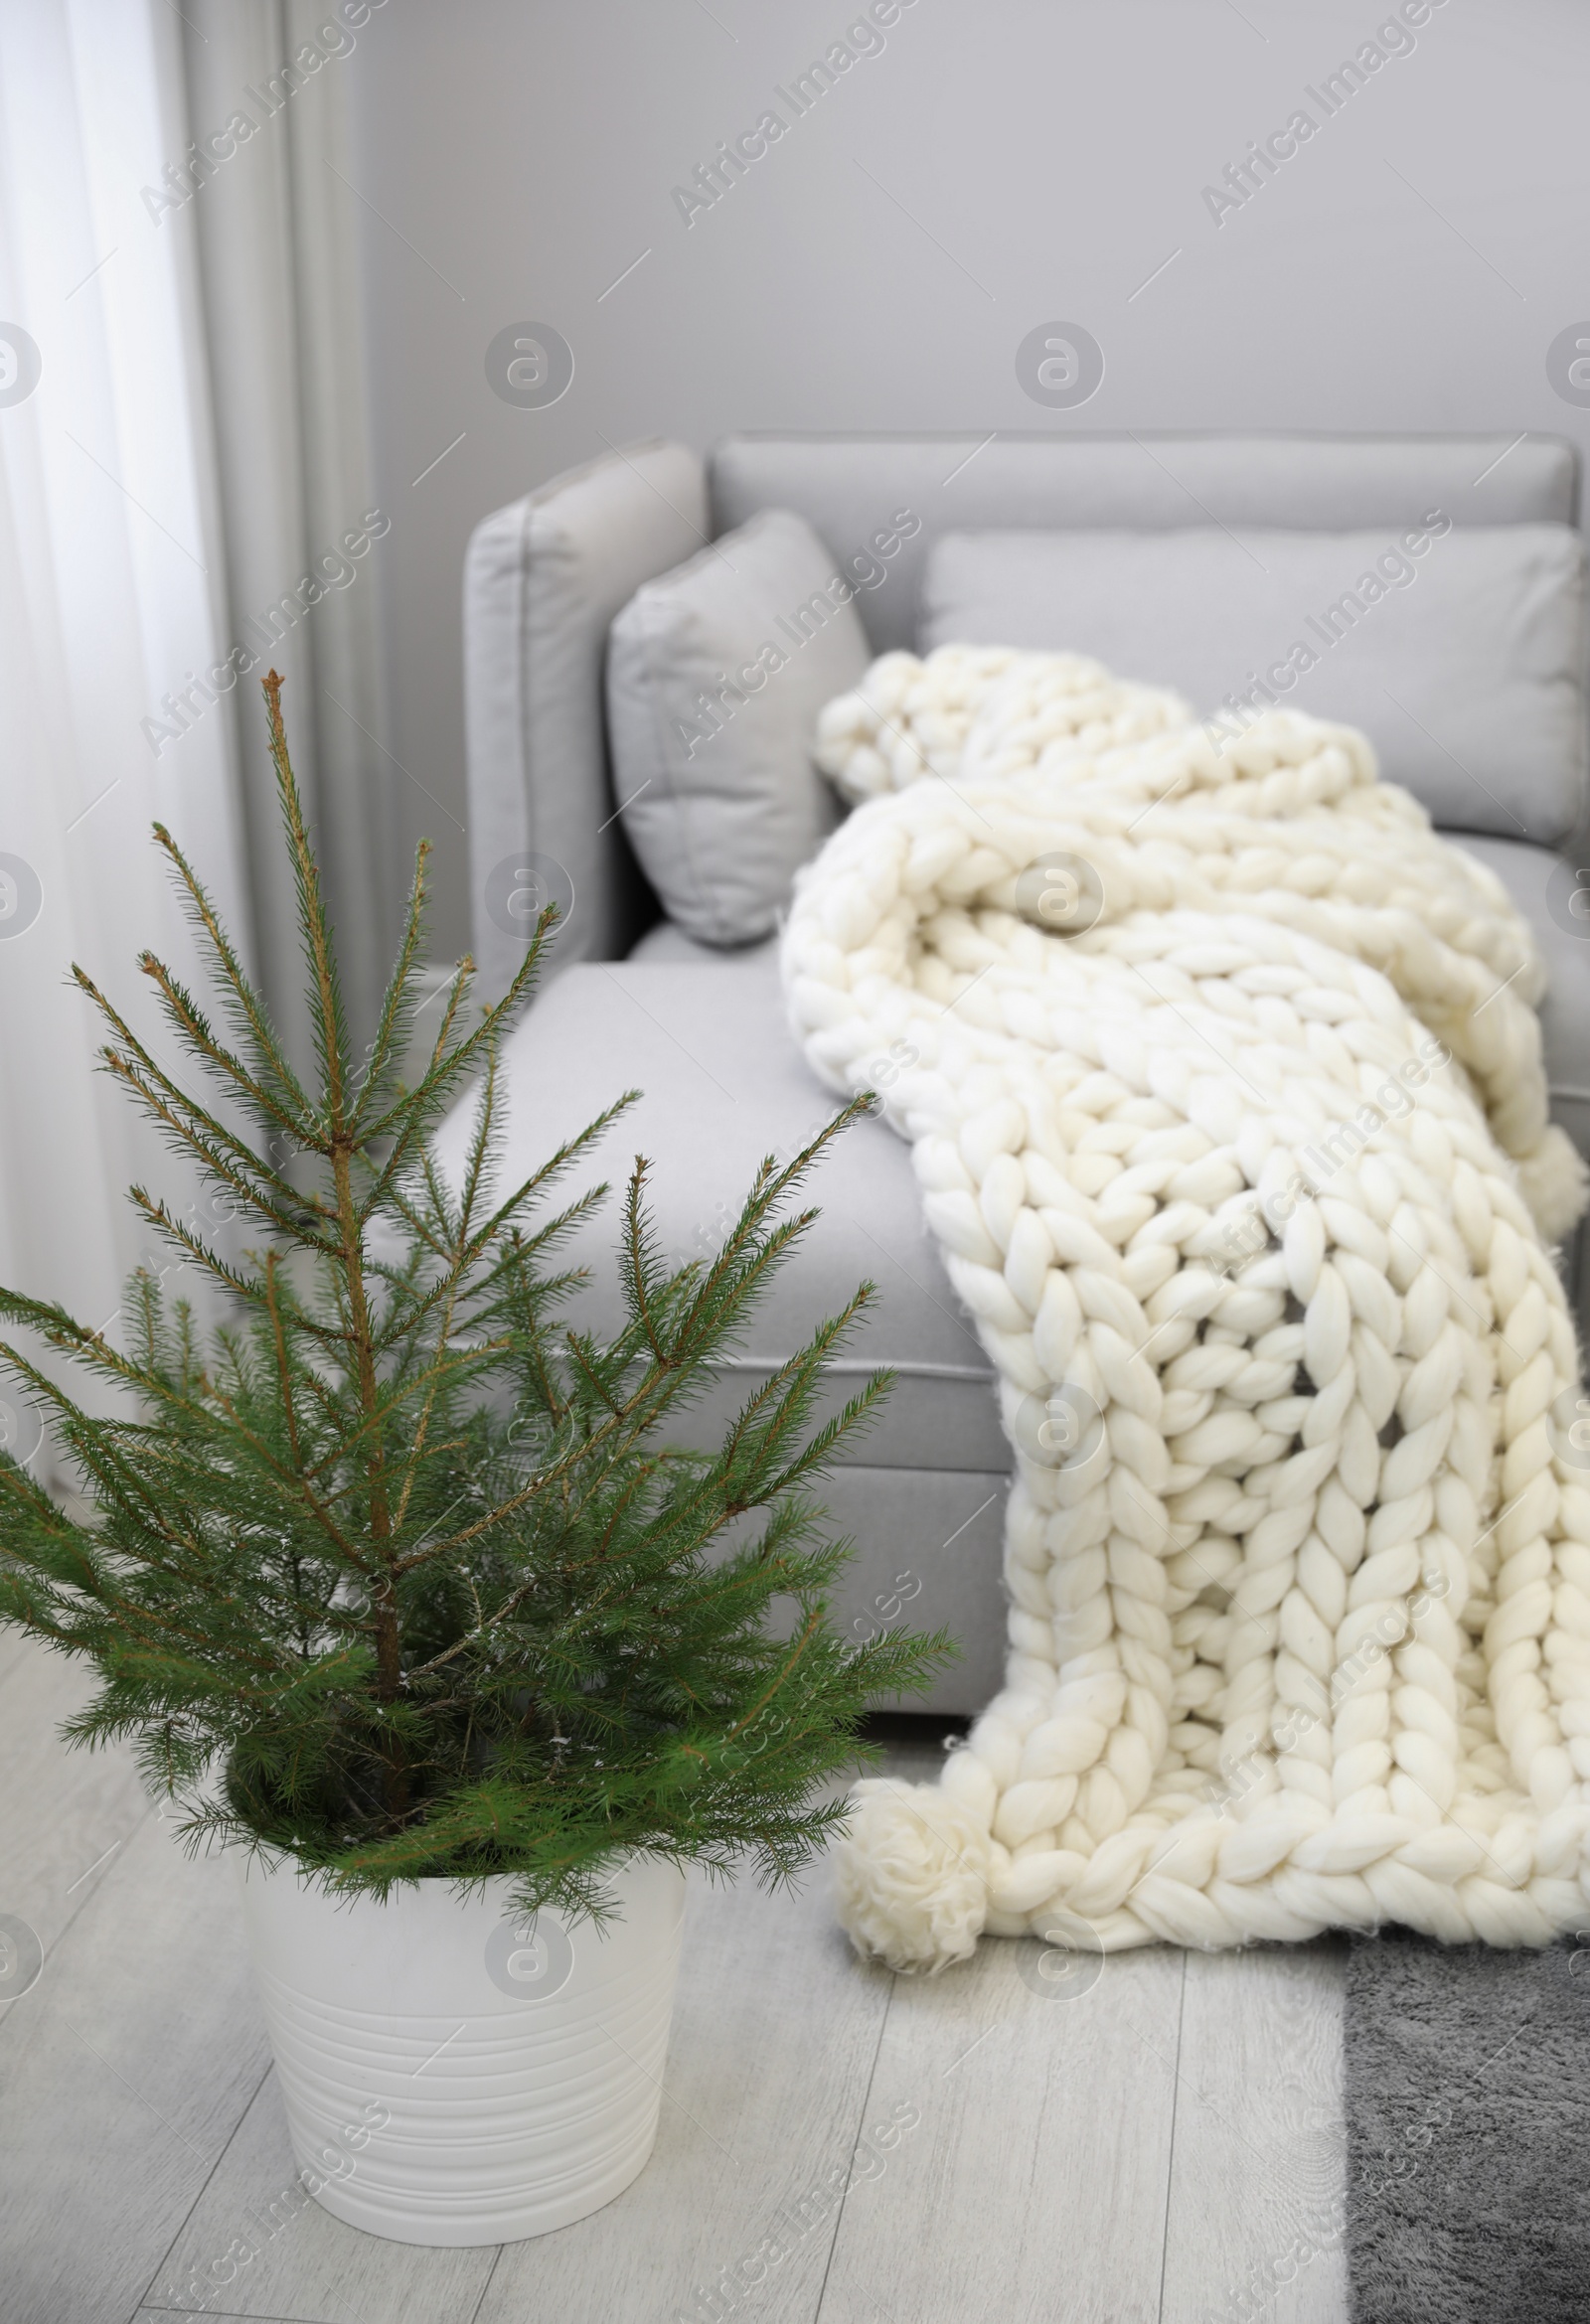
452	2076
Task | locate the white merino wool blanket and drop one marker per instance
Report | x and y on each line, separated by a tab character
1222	1077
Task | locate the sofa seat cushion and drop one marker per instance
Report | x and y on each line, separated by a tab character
703	1040
723	1086
1524	870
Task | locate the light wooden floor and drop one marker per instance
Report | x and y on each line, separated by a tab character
1164	2145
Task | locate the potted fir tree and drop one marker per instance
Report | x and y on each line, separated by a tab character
393	1584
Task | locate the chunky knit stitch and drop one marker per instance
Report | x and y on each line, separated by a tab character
1223	1083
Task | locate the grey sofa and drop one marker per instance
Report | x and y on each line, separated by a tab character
633	1001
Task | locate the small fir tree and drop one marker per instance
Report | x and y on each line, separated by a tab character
390	1572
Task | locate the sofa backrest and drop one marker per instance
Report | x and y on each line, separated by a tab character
544	578
851	488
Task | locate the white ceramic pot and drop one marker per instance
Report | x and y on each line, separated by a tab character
453	2075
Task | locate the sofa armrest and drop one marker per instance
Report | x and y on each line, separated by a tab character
543	580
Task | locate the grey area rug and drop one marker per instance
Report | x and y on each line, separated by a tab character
1467	2090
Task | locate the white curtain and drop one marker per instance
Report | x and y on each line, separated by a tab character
111	601
184	500
268	193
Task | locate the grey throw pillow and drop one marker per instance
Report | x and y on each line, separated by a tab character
715	674
1459	650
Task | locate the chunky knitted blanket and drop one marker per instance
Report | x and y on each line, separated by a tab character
1223	1081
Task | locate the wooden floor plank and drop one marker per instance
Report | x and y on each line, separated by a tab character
775	2034
124	2071
65	1815
1256	2218
260	2244
15	1646
1034	2182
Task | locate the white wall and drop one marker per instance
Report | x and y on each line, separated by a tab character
1002	162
